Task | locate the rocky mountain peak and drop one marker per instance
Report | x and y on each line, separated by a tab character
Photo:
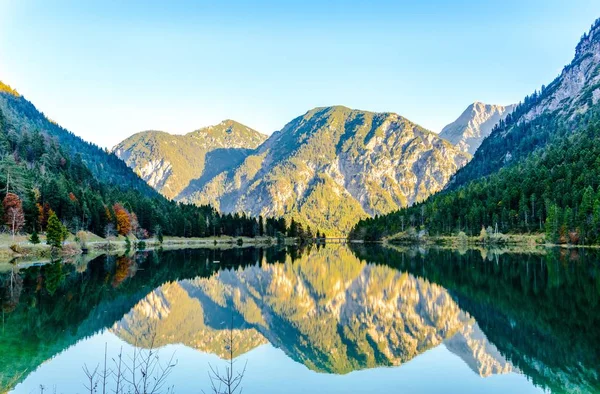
474	125
169	162
228	129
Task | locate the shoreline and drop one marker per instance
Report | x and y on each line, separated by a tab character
23	251
475	242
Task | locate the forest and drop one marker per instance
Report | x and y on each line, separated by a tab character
40	182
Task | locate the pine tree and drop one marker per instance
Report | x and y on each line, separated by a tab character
64	232
54	232
293	230
551	224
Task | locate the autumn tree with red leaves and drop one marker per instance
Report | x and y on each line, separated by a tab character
122	219
13	213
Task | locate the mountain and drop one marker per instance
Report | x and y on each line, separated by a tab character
474	125
169	162
332	166
537	170
328	310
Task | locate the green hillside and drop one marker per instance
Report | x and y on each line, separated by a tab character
23	117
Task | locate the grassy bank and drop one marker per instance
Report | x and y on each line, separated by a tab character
459	241
463	239
21	248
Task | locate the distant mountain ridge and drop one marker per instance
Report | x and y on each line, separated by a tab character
170	162
49	169
474	125
332	166
327	168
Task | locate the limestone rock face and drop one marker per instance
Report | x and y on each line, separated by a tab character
474	125
578	87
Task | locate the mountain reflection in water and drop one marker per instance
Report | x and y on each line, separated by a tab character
334	309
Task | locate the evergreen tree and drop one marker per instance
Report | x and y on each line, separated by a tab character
309	234
293	230
55	232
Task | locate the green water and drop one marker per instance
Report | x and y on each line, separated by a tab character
330	319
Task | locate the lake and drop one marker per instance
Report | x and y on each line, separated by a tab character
335	319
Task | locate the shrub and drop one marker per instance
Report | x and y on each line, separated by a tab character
82	238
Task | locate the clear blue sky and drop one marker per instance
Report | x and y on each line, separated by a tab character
107	69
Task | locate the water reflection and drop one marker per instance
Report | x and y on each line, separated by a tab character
332	309
328	310
540	310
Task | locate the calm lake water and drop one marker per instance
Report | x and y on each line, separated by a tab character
334	319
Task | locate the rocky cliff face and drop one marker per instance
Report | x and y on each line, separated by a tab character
333	166
474	125
327	310
578	87
170	162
